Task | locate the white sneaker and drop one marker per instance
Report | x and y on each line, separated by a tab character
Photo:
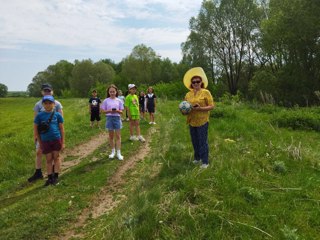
133	138
150	122
140	138
154	123
196	161
119	156
112	155
204	165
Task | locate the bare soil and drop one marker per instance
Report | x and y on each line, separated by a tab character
112	193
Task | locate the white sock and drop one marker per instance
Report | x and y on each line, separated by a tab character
113	150
119	152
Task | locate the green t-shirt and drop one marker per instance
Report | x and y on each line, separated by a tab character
132	102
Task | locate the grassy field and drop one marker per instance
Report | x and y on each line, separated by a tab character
262	183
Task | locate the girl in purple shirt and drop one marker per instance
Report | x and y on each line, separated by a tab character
113	107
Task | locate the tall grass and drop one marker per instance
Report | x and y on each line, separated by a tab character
262	183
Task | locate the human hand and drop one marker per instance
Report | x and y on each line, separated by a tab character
196	107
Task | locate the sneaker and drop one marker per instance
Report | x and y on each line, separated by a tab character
204	165
48	182
35	177
119	156
140	138
55	181
154	123
133	138
112	155
196	161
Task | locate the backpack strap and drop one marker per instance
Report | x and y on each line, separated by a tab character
51	116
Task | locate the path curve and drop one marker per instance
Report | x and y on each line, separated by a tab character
104	201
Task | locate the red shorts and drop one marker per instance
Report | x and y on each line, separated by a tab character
50	146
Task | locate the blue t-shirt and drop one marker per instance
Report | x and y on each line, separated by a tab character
54	131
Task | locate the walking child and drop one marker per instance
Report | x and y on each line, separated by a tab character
132	106
113	107
94	109
50	138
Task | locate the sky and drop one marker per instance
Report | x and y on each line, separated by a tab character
37	33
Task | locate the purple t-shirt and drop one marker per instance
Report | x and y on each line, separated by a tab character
110	103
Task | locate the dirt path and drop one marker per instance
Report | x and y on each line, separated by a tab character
105	201
81	151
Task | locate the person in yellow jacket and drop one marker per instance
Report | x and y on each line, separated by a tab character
202	102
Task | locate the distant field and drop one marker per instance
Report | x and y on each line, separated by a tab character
262	183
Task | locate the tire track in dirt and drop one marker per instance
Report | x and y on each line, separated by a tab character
81	151
105	201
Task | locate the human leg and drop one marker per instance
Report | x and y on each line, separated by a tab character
203	143
38	163
118	144
56	160
195	142
49	161
111	142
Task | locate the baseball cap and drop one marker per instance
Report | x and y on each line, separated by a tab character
46	86
48	98
131	85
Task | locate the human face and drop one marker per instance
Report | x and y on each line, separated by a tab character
196	82
132	90
48	105
46	92
112	92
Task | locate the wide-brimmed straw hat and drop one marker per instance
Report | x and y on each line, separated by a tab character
197	71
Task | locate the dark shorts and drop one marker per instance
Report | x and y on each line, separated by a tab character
95	116
50	146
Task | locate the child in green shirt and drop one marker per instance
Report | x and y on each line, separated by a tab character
132	107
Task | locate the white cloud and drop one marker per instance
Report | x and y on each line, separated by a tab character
93	28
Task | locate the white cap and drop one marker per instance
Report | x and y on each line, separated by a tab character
131	85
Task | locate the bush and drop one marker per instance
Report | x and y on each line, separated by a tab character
297	119
172	91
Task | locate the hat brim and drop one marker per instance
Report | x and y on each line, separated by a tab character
197	71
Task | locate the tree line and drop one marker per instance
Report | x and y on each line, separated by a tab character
264	50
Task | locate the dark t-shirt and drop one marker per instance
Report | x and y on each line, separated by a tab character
141	100
95	104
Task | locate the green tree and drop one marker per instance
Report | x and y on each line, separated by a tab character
3	90
223	39
34	88
87	74
59	76
137	67
290	39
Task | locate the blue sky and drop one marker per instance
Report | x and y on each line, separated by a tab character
37	33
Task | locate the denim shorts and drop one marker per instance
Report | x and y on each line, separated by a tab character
113	123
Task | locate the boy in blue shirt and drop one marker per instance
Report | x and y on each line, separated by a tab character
52	139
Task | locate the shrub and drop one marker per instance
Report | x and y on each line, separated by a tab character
297	119
173	90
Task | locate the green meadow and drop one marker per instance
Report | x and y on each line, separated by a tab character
262	183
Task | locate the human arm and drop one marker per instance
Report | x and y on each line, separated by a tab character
36	134
207	103
61	128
